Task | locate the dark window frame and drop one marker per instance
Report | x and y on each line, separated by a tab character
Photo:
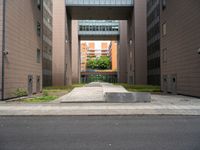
38	28
164	33
38	56
164	4
39	3
165	55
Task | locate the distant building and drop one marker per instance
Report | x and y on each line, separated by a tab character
84	49
94	52
89	51
113	55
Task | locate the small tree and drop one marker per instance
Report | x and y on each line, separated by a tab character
99	63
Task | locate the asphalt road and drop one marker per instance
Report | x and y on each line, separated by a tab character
100	133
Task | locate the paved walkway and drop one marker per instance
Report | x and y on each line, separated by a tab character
89	101
93	92
160	105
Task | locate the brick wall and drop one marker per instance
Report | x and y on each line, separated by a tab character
181	42
1	28
22	43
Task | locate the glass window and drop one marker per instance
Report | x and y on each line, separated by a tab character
164	4
164	29
164	55
38	28
39	4
38	55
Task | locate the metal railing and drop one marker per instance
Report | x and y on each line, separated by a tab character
96	27
99	33
94	77
99	2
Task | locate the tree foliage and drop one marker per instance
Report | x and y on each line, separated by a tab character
100	63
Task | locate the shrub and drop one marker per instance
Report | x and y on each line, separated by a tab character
99	63
20	92
45	93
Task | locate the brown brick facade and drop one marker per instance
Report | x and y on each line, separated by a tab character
180	62
22	43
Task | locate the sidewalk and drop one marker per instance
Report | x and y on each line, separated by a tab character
160	105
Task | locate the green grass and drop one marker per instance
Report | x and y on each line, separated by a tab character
140	88
51	93
56	88
40	99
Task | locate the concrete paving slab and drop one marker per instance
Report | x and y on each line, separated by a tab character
104	92
83	94
114	89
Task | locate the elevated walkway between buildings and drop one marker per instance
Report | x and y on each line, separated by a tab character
99	9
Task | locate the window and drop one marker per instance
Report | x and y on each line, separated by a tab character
131	54
130	67
164	55
39	4
38	29
164	4
164	29
38	55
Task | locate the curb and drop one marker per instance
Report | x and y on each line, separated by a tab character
97	110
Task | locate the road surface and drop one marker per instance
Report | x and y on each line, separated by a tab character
100	133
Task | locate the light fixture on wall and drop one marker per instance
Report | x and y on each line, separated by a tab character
130	42
198	51
5	52
66	41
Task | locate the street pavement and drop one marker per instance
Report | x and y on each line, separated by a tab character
100	133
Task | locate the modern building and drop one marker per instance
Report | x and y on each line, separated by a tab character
96	52
47	42
137	47
122	54
62	45
91	49
84	49
180	46
88	12
113	55
157	42
21	39
153	42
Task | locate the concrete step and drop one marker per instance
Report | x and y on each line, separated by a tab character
127	97
104	92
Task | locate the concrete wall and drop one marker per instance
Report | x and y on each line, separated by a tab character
140	42
22	43
137	46
68	49
61	44
180	45
122	53
1	48
75	53
131	49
